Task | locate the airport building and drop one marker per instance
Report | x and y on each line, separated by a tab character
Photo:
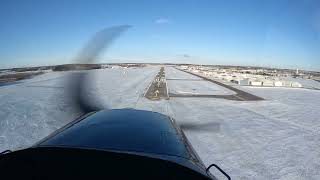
244	77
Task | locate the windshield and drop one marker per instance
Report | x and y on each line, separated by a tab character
241	78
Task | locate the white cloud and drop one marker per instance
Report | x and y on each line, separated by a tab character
162	21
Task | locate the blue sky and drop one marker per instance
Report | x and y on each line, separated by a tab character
273	33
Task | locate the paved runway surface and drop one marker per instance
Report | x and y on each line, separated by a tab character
158	88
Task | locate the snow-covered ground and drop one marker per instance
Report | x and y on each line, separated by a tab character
274	139
181	83
196	87
173	73
34	108
278	138
306	83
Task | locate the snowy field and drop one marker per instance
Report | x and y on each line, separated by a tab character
278	138
197	87
34	108
181	83
172	73
306	83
